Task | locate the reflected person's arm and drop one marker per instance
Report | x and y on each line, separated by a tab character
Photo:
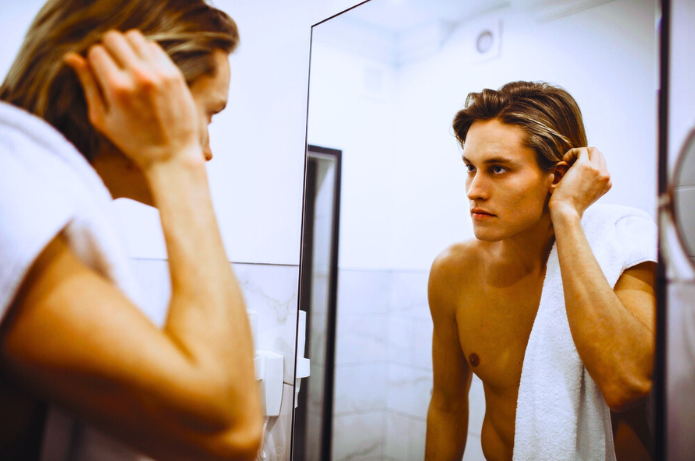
187	392
447	416
613	329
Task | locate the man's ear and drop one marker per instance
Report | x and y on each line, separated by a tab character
558	172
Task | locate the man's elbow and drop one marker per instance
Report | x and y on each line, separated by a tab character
623	395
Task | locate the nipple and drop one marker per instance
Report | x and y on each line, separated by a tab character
474	359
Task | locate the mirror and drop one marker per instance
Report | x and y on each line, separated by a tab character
684	197
386	80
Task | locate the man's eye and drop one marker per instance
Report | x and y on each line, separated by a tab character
498	169
470	168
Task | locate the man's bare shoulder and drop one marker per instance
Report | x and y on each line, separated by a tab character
453	271
457	259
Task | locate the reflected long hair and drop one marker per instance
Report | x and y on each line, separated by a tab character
41	83
548	114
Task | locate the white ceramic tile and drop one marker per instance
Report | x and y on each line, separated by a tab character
313	438
363	291
409	390
155	288
401	347
476	407
313	389
422	354
409	293
474	451
319	292
361	338
416	439
272	292
278	433
397	434
681	369
359	388
358	436
317	342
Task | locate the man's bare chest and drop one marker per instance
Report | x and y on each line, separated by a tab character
494	326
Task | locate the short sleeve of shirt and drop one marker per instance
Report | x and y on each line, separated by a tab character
32	213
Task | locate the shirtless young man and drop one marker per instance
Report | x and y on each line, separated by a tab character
530	179
137	109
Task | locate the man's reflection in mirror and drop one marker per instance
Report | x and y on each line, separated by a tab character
552	305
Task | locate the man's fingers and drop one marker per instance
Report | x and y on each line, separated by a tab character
120	48
105	70
573	155
139	44
92	93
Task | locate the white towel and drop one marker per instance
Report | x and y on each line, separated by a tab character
46	185
561	414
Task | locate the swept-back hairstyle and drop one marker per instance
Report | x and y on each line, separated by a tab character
41	83
549	116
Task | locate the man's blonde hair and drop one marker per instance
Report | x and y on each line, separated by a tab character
41	83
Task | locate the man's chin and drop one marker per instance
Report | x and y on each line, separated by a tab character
487	235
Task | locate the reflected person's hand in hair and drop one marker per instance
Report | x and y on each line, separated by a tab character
581	178
138	98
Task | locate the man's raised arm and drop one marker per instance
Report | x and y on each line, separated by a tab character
613	329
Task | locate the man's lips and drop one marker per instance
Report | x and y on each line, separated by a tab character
480	213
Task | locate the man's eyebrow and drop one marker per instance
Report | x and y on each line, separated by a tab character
493	160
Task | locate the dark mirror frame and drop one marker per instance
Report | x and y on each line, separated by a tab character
659	377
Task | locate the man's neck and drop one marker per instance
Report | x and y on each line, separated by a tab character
526	253
121	177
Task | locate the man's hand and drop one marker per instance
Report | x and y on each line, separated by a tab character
138	98
585	180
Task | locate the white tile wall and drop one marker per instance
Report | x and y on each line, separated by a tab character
361	338
474	451
681	373
358	436
363	291
476	407
416	440
401	332
409	293
397	435
422	354
409	390
384	365
272	292
360	387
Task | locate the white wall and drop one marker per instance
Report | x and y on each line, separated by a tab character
257	174
604	56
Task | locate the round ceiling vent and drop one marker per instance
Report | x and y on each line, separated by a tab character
484	41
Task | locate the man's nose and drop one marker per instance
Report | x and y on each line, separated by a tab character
477	189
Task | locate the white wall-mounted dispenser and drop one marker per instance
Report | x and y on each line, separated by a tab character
303	364
269	371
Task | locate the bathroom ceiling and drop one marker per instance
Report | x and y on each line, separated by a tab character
399	15
396	16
